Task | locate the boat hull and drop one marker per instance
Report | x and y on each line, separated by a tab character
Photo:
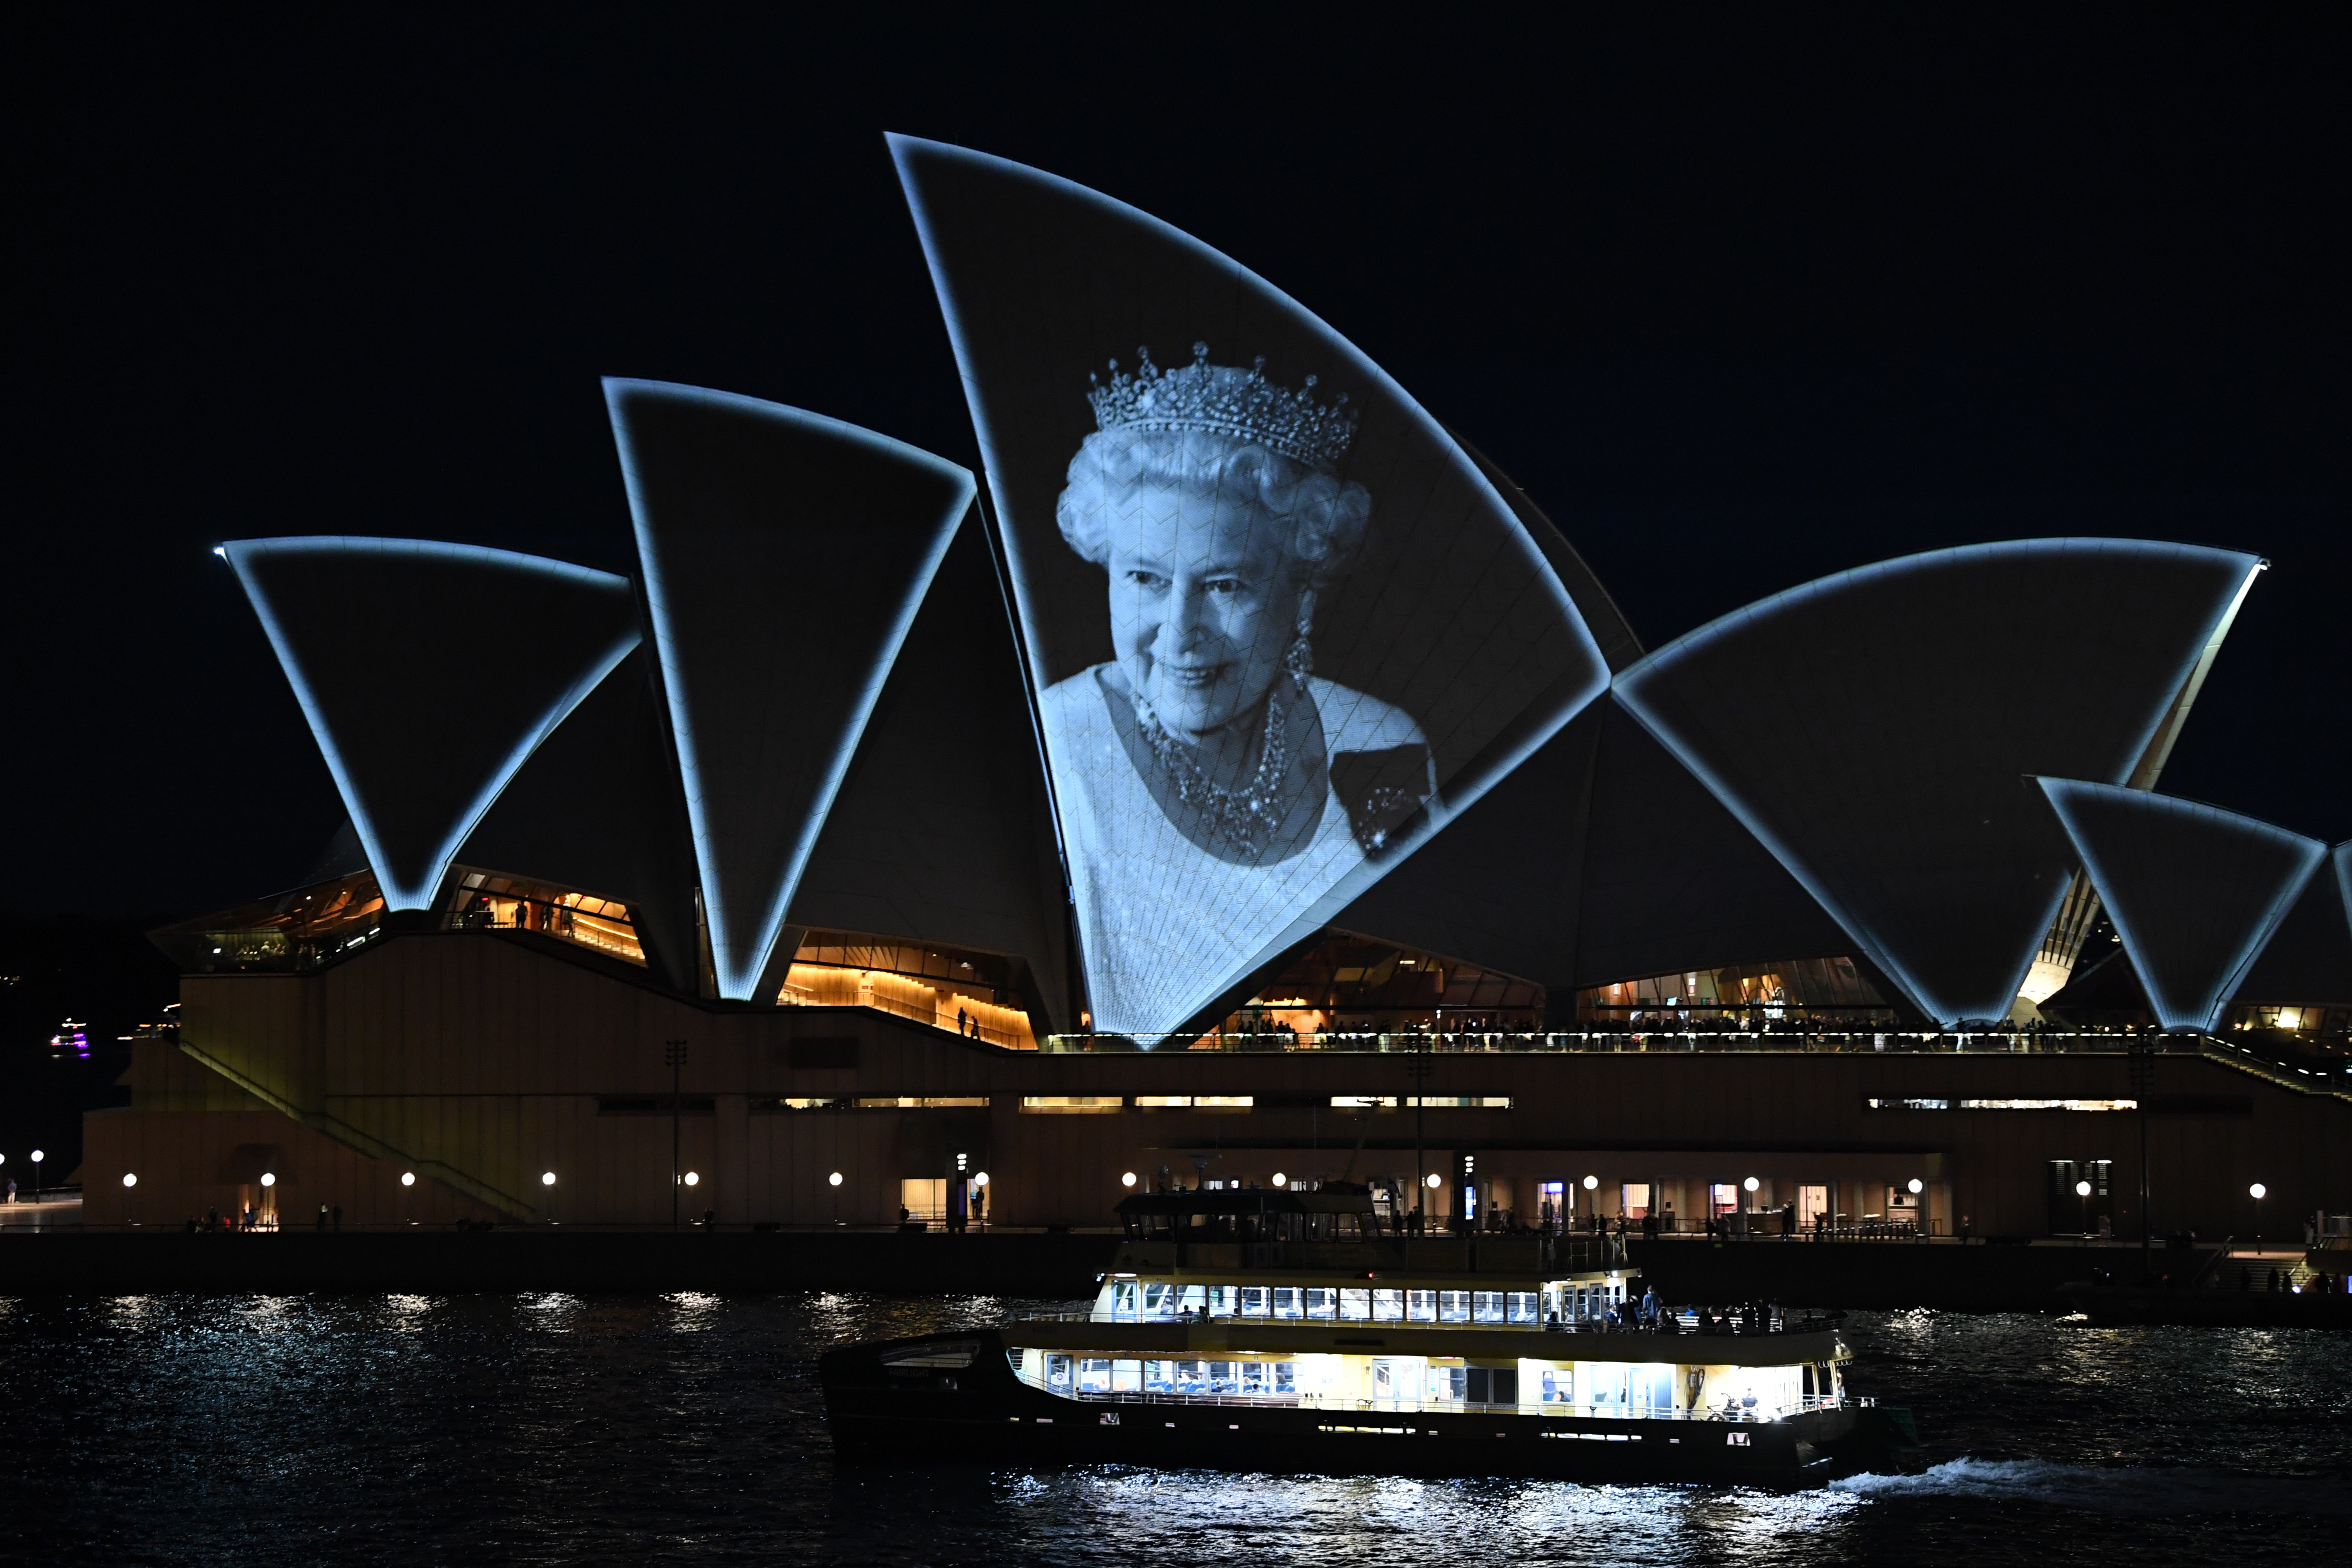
980	1414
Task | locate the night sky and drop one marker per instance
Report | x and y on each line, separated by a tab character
1739	301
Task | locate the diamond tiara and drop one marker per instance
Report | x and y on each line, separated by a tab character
1225	400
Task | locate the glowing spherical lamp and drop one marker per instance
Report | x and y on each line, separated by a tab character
547	1178
1918	1185
1590	1183
1128	1180
1751	1183
2082	1189
980	1179
408	1178
834	1180
1436	1180
2258	1192
129	1179
269	1178
693	1179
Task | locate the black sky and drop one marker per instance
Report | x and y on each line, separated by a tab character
1740	300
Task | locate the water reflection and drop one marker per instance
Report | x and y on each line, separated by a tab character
651	1430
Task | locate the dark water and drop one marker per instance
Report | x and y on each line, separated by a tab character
688	1430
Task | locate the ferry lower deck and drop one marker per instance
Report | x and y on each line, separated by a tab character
960	1399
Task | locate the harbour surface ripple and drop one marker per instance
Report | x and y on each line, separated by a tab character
689	1428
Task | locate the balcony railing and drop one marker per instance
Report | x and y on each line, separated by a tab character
1659	1041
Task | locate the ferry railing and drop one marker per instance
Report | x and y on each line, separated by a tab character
1736	1325
1795	1039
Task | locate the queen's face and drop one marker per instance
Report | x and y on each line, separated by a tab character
1203	606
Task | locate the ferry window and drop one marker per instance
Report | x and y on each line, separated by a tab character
1489	1304
1809	1385
1656	1384
1395	1382
1287	1302
1160	1299
1157	1377
1057	1372
1126	1377
1192	1300
1388	1306
1253	1379
1093	1375
1356	1306
1522	1306
1634	1199
1225	1377
1254	1301
1122	1299
1557	1386
1285	1377
1453	1306
1491	1384
1320	1302
1420	1306
1446	1383
1222	1298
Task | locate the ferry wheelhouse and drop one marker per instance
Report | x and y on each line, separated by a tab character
1306	1331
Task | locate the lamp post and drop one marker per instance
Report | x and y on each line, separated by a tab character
2258	1193
2140	1064
37	1158
1592	1200
2083	1191
674	1058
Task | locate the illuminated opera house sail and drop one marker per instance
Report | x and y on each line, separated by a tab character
1235	712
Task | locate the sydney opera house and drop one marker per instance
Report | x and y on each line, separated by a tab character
1255	787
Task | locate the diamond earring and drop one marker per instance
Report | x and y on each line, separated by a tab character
1300	659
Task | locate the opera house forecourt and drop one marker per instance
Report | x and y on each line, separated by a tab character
1237	783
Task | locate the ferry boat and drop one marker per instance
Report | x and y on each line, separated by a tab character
1305	1330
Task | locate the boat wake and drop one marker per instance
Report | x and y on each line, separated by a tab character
2121	1489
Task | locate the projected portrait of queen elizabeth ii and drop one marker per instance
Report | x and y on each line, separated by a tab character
1212	786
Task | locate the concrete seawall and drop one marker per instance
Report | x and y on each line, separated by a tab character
1052	1264
1874	1274
116	1263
